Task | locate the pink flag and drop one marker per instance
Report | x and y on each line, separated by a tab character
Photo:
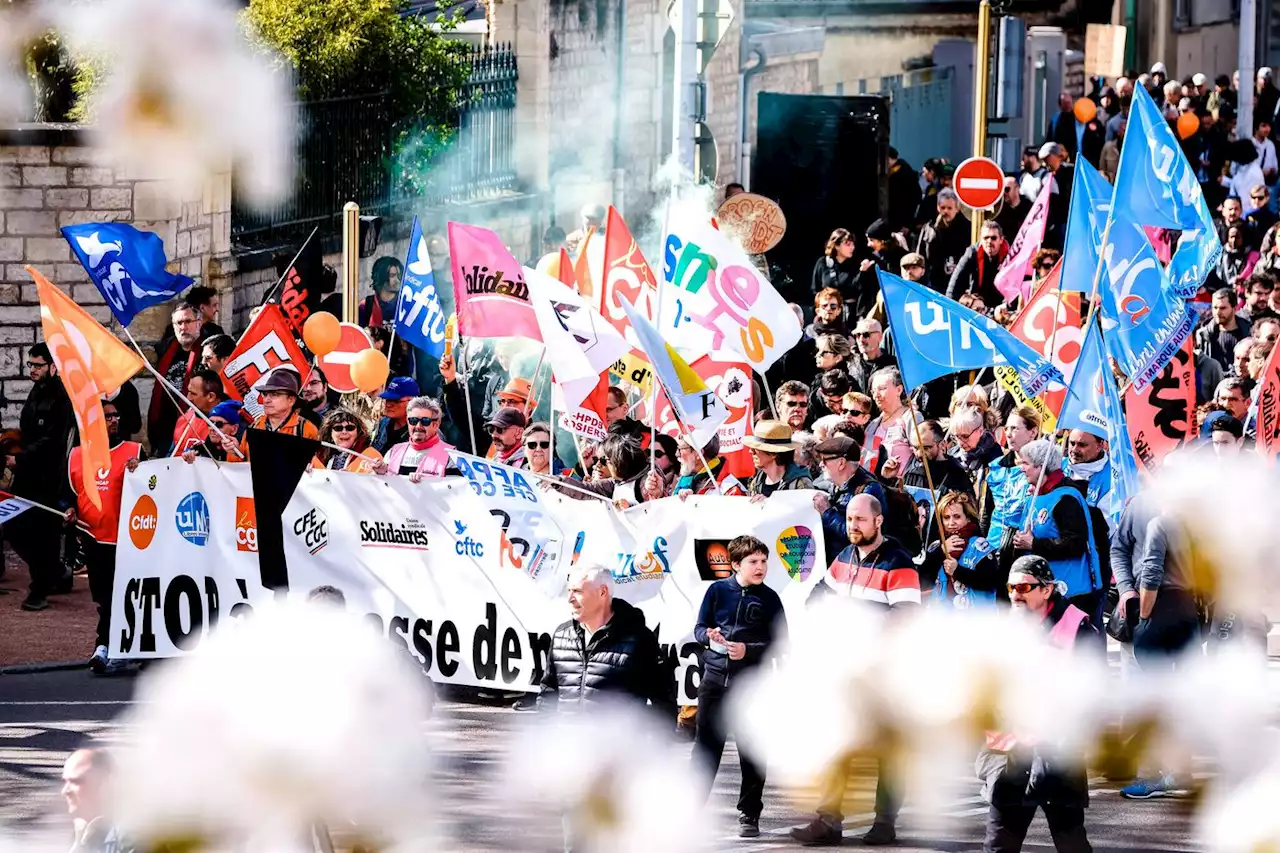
491	294
1011	277
1162	241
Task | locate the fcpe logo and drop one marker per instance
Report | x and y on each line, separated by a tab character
246	525
142	522
313	529
192	519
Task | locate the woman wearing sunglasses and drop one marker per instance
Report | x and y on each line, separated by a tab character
342	428
537	450
425	454
962	569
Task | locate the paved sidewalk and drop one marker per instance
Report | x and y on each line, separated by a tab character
62	633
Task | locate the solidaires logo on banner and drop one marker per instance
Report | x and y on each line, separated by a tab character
410	534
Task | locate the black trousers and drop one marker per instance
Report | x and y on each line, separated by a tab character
36	537
1007	828
709	747
100	559
1173	626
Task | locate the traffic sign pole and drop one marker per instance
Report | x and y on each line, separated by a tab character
982	69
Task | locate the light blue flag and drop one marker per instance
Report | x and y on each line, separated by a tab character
936	336
1086	220
1093	405
1144	320
1157	186
419	318
126	265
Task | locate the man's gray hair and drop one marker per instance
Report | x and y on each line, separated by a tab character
967	419
592	574
948	194
1042	453
1232	383
430	404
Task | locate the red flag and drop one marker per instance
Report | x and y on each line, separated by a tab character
1035	326
1162	415
1269	408
731	380
565	271
267	343
582	267
627	274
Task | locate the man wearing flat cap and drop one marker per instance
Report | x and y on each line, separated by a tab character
278	394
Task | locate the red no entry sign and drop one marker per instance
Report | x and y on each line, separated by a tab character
978	182
337	364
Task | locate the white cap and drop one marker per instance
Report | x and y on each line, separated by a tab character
1199	79
1159	68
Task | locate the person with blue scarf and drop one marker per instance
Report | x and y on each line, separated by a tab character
962	570
1004	493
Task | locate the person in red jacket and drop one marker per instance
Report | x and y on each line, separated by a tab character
102	523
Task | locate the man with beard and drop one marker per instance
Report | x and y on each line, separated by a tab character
506	436
103	522
947	475
1017	778
425	454
315	396
1087	461
976	271
874	569
868	337
177	361
40	473
792	400
944	240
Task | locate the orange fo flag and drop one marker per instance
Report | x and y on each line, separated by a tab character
91	362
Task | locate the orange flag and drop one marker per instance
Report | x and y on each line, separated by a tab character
1269	408
627	274
581	267
565	271
1163	415
91	362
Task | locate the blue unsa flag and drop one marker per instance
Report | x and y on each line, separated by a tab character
936	336
420	318
126	265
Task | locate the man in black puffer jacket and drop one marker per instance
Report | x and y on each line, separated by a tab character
605	652
739	623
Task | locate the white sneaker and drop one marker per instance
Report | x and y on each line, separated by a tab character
98	663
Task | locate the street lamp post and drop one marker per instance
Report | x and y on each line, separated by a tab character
981	84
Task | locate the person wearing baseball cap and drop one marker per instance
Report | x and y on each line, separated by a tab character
773	451
840	457
506	436
278	395
1017	777
393	428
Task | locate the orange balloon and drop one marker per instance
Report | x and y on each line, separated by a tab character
321	333
1188	124
1085	110
369	370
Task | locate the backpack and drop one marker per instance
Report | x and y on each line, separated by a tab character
900	516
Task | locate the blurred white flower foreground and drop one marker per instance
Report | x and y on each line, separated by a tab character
296	715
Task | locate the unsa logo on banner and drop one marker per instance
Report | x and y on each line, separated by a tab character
246	525
142	522
192	519
313	529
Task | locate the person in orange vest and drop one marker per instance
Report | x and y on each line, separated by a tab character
100	554
278	393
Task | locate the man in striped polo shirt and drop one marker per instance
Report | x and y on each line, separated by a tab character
875	569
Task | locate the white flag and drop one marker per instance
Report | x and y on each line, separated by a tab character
580	343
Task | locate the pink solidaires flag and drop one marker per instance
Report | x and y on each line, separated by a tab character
1011	278
488	286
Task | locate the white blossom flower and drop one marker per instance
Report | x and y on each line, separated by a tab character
297	714
1243	818
619	779
184	96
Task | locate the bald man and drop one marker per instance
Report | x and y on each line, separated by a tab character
85	778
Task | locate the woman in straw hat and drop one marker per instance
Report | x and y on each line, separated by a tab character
773	453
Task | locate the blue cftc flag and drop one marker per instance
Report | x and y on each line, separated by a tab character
126	265
419	318
936	336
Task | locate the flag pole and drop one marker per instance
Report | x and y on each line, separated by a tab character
530	406
272	292
60	513
768	393
928	475
174	393
465	379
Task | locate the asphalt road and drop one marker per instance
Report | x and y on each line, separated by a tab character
45	716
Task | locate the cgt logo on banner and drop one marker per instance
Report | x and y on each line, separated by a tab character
426	562
246	525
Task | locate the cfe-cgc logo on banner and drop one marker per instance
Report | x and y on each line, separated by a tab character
246	525
143	519
313	529
192	519
410	534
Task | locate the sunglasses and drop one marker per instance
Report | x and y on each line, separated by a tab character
537	445
511	402
495	430
1022	588
34	364
863	334
344	427
423	421
219	424
913	266
796	404
857	413
1047	265
659	454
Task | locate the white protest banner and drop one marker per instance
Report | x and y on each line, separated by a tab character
465	573
717	300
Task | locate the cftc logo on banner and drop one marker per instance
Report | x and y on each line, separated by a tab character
313	529
192	519
246	525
